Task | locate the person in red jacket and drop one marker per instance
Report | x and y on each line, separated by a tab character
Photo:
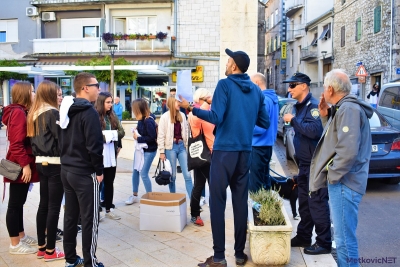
20	152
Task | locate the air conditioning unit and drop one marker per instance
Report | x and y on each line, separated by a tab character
48	16
31	11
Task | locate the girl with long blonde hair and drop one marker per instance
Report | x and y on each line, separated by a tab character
43	129
172	142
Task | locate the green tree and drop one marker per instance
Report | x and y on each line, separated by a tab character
127	76
6	75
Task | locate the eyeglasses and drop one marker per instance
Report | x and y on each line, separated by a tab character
293	85
94	84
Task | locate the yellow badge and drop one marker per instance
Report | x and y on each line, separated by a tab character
315	113
345	129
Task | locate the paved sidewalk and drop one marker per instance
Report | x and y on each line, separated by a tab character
122	244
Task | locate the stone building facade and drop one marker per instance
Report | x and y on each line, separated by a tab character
363	33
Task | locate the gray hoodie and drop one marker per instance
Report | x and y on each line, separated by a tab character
344	150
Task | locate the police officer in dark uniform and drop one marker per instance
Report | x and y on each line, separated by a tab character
313	208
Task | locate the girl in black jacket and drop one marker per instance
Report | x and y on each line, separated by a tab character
43	129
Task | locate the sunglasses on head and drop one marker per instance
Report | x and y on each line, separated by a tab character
293	85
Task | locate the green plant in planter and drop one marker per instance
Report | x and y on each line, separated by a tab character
126	115
270	211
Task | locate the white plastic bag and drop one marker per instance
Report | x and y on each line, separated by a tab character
167	165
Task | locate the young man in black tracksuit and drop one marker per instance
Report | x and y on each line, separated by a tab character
81	143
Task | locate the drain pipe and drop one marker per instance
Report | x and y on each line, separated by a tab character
176	55
391	41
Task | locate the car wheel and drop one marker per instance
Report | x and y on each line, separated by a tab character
395	180
284	138
287	153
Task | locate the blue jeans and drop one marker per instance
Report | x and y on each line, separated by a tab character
148	159
178	151
344	204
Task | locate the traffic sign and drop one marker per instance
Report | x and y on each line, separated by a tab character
397	70
359	63
361	71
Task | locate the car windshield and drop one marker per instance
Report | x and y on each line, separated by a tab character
377	121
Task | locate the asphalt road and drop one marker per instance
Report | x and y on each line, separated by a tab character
378	229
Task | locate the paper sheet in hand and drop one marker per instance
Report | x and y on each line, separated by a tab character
184	85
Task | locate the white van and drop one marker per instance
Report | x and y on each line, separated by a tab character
389	103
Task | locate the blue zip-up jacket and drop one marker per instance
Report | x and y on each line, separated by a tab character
308	128
264	137
237	106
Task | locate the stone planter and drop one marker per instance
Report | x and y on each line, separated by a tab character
269	245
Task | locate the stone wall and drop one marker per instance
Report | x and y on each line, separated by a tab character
198	27
238	20
372	49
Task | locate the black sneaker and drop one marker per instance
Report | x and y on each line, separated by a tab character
58	238
211	263
60	232
316	250
297	242
241	262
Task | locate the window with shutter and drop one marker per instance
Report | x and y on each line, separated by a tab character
358	29
342	36
377	19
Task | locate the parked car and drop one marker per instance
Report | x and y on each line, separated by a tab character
385	155
286	105
389	103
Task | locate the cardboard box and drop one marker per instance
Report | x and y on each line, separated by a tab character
165	212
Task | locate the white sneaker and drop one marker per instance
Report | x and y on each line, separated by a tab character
22	249
101	217
132	199
111	215
30	241
202	201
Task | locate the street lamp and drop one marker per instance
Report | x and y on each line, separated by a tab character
112	48
323	54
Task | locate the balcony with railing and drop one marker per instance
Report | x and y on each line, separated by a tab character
309	53
292	6
97	45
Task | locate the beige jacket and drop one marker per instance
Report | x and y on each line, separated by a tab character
165	137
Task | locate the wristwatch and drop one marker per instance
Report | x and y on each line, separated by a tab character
189	108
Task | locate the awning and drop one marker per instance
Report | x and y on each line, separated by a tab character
142	67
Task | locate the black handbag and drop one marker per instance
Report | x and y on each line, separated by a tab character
9	169
162	176
198	151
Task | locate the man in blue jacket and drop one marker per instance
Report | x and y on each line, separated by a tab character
118	108
313	208
237	106
263	139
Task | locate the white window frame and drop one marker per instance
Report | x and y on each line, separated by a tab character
145	28
10	26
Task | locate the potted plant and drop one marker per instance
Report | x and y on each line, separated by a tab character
132	36
152	36
270	229
144	36
161	35
118	36
108	37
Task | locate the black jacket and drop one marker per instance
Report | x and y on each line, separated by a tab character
46	142
81	142
147	128
308	128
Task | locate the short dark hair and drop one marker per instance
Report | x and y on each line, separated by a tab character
172	90
81	79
